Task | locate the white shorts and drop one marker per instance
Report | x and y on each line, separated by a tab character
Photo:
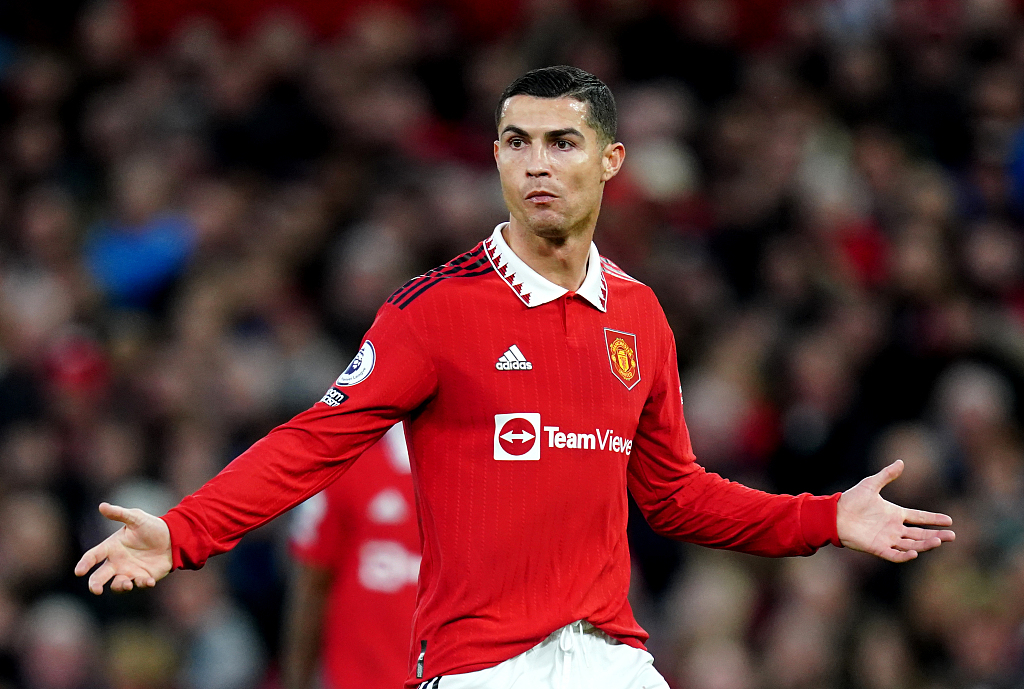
576	656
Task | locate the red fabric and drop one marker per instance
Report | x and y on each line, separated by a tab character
865	250
512	549
759	24
363	529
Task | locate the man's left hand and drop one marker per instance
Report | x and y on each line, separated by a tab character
869	523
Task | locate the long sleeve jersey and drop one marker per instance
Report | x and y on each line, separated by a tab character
529	411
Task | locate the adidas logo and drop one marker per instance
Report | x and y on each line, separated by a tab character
513	360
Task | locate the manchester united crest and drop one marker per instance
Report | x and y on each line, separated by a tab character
622	356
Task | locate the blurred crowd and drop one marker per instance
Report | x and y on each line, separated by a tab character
198	221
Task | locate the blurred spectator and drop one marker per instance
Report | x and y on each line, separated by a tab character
60	649
33	521
134	257
139	657
882	656
220	646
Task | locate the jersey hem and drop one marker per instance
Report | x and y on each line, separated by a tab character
412	682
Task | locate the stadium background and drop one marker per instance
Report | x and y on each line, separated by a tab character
203	203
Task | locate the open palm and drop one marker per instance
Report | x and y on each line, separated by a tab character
137	554
868	522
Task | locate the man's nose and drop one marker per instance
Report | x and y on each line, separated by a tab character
539	164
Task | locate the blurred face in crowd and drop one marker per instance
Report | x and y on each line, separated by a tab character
553	165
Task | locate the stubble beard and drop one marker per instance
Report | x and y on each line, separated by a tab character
559	229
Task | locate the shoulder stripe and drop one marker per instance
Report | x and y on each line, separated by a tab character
428	284
434	276
612	269
470	264
452	266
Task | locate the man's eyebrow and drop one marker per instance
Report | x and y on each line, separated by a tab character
557	133
515	130
554	134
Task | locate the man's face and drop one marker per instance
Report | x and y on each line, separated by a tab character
552	164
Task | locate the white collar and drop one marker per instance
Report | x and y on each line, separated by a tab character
532	288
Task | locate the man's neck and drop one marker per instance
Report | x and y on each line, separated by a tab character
562	261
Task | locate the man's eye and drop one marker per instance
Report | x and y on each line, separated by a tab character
563	145
515	143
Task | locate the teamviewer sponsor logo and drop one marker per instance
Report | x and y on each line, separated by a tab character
598	440
517	437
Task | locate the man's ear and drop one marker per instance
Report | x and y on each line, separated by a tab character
612	157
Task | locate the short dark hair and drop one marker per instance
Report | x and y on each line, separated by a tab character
564	81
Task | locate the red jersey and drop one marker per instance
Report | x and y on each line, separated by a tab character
530	411
363	530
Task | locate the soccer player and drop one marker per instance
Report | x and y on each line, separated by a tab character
353	590
538	383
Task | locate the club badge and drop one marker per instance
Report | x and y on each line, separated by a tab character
622	356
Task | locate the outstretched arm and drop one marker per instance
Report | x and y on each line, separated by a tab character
869	523
137	554
682	501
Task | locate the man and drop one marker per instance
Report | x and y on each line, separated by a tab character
353	589
538	382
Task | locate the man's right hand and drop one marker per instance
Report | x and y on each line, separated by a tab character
137	554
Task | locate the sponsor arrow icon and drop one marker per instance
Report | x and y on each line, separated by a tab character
510	436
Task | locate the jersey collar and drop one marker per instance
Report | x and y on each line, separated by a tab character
534	289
